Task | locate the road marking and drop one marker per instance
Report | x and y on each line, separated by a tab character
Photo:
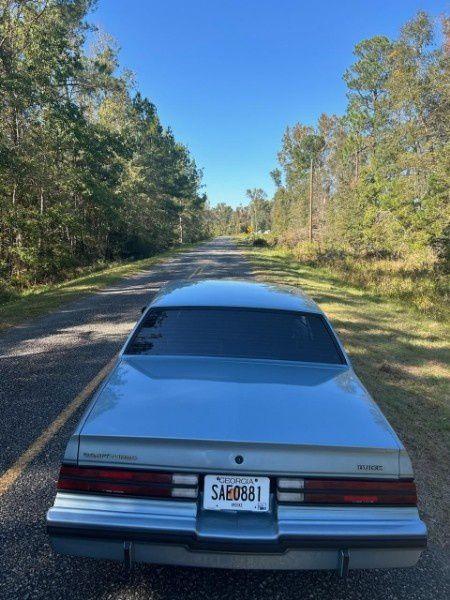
196	271
10	476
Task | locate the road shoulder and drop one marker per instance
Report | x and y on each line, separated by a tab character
42	300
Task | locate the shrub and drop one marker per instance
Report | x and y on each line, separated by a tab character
7	292
260	242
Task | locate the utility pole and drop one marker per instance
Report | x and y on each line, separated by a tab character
181	229
311	171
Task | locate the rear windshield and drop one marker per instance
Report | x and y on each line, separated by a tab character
239	333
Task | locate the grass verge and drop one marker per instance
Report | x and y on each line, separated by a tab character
41	300
418	278
403	359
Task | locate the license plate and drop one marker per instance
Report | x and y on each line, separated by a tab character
236	492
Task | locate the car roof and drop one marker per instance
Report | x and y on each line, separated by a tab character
234	293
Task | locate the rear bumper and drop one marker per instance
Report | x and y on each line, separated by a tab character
173	532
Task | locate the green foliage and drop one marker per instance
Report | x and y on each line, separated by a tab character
222	220
87	171
259	209
381	171
253	218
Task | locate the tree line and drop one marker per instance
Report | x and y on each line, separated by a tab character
87	171
256	216
374	181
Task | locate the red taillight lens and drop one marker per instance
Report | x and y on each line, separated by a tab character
127	482
341	491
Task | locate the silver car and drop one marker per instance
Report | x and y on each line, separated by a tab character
233	432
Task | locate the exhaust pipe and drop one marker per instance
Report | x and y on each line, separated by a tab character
344	560
128	555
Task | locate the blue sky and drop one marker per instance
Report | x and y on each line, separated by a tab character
228	76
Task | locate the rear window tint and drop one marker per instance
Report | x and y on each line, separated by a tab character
239	333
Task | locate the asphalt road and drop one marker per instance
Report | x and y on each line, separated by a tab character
44	364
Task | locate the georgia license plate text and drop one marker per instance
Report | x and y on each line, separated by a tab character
236	492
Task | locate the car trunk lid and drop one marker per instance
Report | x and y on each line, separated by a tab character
198	414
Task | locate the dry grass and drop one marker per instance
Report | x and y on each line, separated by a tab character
402	357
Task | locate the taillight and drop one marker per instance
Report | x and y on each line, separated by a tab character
125	482
343	491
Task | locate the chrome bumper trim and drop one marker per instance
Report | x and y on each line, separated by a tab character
181	523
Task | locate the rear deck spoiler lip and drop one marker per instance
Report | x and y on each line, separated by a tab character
281	545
